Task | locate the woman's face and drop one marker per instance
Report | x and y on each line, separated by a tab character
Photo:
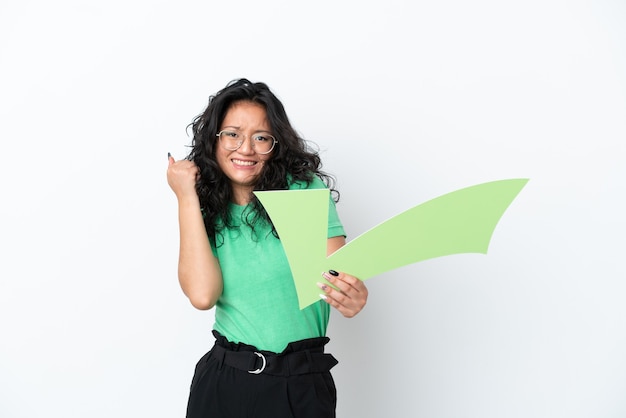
243	166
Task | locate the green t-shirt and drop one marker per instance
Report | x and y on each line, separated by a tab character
259	304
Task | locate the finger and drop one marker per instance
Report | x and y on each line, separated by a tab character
345	299
338	295
170	159
335	304
346	293
338	302
344	282
359	285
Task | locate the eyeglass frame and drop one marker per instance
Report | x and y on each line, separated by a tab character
274	141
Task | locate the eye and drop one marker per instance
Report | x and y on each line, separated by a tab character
262	138
230	134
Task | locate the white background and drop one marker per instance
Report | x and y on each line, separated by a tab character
407	101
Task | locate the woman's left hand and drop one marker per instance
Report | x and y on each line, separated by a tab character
350	296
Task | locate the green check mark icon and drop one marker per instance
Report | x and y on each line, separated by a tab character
462	221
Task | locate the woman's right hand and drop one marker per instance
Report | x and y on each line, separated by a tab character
182	176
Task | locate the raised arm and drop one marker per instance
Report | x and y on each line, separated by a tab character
199	272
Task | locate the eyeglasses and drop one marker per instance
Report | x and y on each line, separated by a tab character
232	140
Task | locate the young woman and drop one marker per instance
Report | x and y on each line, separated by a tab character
268	359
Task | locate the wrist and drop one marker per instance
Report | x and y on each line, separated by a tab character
188	200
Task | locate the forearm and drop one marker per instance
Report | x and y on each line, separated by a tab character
199	272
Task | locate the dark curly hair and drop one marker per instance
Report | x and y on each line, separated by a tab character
292	160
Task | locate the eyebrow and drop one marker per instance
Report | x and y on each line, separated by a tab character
237	128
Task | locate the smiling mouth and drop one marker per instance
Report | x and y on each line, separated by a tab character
245	163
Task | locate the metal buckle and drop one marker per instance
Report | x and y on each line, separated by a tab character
260	369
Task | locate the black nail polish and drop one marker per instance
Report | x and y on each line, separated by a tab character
169	155
333	272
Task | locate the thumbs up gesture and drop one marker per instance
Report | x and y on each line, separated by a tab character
182	176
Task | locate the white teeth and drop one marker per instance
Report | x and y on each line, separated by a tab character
241	162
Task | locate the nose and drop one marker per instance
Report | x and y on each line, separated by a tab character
246	146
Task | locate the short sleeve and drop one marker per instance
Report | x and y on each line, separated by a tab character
335	227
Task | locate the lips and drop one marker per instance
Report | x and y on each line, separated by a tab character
243	163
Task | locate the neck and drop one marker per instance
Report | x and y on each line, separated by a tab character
242	195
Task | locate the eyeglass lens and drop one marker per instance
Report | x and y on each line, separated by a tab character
262	143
